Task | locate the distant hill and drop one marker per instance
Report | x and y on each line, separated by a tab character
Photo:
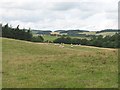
71	31
46	32
108	30
78	32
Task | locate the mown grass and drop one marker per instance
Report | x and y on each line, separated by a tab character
34	65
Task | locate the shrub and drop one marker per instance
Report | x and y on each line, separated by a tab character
37	39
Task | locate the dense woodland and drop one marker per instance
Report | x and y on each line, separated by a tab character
21	34
99	41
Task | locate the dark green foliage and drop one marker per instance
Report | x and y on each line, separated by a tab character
16	33
63	39
37	39
108	30
99	41
68	40
108	41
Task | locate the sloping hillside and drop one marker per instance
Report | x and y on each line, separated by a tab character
38	65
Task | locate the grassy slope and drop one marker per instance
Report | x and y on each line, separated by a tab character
47	65
50	38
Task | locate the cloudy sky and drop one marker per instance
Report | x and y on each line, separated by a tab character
60	14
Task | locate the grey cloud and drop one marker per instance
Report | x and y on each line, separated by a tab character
24	6
87	9
63	6
66	7
22	15
84	6
22	19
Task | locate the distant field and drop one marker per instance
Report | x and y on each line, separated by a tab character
89	33
50	38
106	33
80	37
41	65
102	33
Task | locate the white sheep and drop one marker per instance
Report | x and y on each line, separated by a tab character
71	45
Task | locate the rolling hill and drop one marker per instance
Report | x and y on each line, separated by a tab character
81	34
46	65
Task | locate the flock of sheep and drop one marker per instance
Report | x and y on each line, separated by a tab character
62	45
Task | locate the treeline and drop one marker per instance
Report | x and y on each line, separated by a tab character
99	41
108	30
21	34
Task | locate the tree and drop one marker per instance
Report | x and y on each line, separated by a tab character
38	39
16	33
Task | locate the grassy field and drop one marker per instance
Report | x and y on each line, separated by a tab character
106	33
42	65
102	33
50	38
89	33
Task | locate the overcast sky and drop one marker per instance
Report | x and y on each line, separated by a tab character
60	14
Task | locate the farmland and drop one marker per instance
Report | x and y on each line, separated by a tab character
52	38
40	65
102	33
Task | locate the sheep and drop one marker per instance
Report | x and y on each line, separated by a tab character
56	44
61	46
71	45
